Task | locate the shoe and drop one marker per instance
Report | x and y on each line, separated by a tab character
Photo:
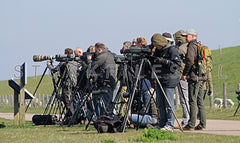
187	128
149	126
198	127
167	128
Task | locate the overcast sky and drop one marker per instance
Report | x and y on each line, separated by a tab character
47	27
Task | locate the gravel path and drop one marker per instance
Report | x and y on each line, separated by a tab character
221	127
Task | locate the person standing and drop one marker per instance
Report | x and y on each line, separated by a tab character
195	83
69	73
181	45
104	68
169	63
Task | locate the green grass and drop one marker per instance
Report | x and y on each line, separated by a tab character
230	68
45	88
10	109
54	133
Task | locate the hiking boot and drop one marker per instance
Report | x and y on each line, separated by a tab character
187	128
198	127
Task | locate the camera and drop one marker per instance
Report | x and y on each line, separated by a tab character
138	50
60	58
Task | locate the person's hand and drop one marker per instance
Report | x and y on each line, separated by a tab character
158	60
48	63
183	78
89	56
209	92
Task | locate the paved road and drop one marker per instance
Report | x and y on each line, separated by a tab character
221	127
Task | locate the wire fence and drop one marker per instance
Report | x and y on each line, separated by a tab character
38	101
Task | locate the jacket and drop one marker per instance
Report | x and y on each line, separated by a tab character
168	73
69	72
191	69
104	67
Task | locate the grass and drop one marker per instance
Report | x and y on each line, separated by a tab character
45	88
54	133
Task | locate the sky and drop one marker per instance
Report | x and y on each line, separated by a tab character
47	27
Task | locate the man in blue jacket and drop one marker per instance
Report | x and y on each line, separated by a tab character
168	63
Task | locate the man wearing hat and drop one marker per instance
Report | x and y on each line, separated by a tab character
181	45
168	37
168	62
195	83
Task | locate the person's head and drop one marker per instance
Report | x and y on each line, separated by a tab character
99	48
78	52
168	37
158	41
134	42
179	38
68	51
126	45
190	34
91	49
141	41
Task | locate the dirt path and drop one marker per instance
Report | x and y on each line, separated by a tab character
221	127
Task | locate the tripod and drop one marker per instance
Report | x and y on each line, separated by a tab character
145	60
238	93
124	77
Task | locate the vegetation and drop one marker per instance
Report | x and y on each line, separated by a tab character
54	133
153	135
229	60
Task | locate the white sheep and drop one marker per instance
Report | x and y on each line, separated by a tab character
218	102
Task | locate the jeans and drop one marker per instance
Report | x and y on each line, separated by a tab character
166	114
135	118
184	101
146	99
104	102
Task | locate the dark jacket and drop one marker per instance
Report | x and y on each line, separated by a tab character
167	70
191	69
68	72
104	67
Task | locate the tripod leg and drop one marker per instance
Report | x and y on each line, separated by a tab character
158	82
36	88
130	100
237	108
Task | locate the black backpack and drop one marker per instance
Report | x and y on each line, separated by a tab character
108	124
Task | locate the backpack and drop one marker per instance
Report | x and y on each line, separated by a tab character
204	55
108	124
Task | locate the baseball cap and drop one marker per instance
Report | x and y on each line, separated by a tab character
167	36
190	32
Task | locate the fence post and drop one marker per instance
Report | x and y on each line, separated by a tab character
220	50
224	95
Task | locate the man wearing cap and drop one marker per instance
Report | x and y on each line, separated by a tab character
168	63
195	83
168	37
181	45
